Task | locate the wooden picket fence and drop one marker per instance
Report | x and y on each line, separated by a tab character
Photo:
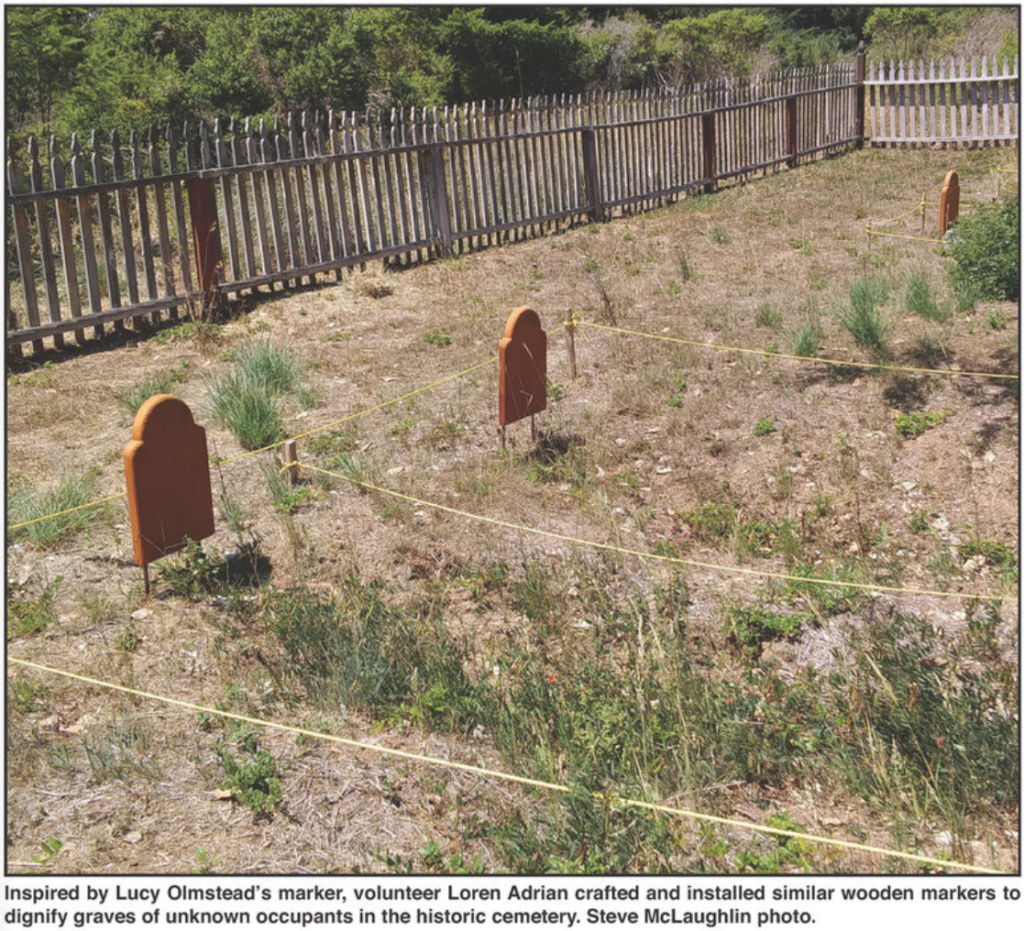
945	101
139	230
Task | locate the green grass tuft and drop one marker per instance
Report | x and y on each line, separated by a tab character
919	300
72	490
805	342
862	318
247	400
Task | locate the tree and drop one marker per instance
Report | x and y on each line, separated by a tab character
725	42
902	32
44	47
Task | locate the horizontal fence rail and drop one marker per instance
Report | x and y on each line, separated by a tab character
144	228
944	101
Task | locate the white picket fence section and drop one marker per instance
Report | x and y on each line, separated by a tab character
944	101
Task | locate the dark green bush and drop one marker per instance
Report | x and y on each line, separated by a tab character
985	251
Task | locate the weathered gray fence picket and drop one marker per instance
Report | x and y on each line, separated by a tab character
944	101
316	193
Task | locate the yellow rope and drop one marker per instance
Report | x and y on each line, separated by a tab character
872	232
508	777
914	209
326	426
782	355
781	576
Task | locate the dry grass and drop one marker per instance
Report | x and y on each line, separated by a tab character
629	463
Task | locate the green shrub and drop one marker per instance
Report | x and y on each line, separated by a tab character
862	319
764	426
985	250
717	235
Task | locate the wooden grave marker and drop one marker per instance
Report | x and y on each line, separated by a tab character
522	369
167	470
949	202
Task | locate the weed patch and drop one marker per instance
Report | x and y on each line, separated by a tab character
915	423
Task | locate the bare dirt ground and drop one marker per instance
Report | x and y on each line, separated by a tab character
649	433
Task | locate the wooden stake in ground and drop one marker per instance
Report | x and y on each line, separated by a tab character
291	458
167	470
522	369
949	202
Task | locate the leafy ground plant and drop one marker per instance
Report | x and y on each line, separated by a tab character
253	781
915	423
28	616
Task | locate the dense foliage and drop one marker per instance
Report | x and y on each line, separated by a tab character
85	68
986	250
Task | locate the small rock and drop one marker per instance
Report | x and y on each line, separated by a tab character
908	486
620	441
133	838
664	470
141	614
396	470
944	838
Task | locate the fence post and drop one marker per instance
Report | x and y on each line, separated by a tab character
708	133
858	116
432	163
206	237
591	175
791	148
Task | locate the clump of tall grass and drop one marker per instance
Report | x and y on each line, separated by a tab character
862	319
919	300
133	398
248	399
805	342
73	490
